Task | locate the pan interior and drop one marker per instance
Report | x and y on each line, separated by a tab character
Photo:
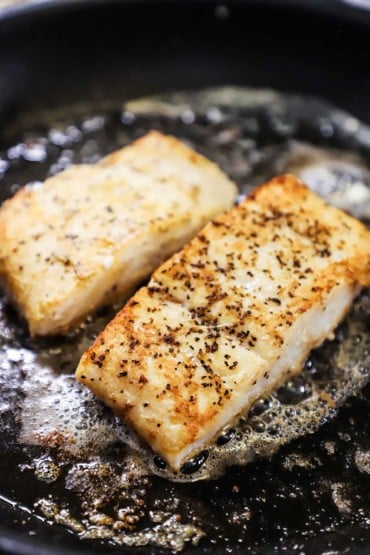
74	464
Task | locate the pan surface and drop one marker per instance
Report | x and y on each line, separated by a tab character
77	64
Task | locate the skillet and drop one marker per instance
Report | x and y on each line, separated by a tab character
60	54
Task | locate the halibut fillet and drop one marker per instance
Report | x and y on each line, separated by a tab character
87	236
229	318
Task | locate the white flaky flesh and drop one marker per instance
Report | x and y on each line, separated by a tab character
90	234
229	318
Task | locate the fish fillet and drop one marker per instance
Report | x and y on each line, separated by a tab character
90	234
229	318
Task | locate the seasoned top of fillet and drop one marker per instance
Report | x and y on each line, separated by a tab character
65	244
179	360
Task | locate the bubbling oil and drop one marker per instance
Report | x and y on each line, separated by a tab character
252	135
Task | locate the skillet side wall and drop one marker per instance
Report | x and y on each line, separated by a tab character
114	52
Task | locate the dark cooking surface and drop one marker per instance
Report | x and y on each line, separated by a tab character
316	486
82	58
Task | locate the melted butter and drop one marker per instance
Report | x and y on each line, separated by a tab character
253	135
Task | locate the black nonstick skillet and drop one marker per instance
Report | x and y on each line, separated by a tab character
56	56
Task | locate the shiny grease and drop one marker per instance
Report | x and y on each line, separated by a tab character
83	450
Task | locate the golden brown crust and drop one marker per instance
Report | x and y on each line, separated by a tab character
220	314
88	235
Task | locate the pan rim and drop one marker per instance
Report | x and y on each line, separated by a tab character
346	9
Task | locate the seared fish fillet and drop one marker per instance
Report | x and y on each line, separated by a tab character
229	318
90	234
